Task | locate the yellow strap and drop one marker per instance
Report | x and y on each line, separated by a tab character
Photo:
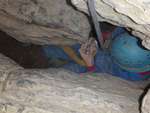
72	54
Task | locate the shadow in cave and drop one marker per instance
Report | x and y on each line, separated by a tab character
26	55
142	96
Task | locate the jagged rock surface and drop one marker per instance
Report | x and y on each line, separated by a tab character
133	14
53	91
43	21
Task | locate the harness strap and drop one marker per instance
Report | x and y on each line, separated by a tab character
72	54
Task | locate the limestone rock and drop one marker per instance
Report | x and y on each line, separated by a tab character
43	21
146	103
53	91
133	14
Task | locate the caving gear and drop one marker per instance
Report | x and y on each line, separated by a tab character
96	24
128	53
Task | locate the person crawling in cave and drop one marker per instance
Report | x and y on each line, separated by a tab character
125	58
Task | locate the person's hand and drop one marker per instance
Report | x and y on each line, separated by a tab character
88	51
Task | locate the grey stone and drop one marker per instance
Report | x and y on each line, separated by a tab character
43	21
146	103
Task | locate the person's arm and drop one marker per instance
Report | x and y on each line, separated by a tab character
87	52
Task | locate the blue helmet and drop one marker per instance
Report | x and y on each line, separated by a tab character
128	53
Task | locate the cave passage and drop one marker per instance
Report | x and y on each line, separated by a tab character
26	55
29	55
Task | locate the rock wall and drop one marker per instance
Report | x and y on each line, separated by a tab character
43	21
53	91
146	103
133	14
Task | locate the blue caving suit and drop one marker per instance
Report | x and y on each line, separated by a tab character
103	61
